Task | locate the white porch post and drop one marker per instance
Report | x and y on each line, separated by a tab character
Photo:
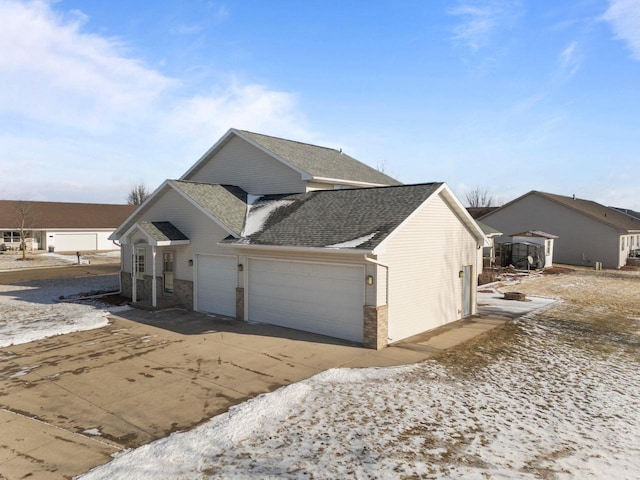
134	277
153	276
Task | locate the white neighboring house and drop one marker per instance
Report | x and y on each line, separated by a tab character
271	230
61	226
536	237
587	231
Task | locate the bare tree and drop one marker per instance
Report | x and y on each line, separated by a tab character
138	194
24	220
479	197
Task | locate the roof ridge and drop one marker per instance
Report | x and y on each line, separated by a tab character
295	141
380	186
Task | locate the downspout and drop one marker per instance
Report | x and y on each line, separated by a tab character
386	267
119	245
134	276
154	286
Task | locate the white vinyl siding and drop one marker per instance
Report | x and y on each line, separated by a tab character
203	233
320	298
240	163
425	257
581	240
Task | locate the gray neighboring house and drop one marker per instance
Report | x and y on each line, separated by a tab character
588	232
271	230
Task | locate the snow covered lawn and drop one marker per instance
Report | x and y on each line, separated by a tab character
13	260
30	311
555	394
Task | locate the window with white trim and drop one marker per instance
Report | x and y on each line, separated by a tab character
10	237
139	262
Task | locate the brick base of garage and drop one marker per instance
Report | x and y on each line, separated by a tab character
239	303
376	327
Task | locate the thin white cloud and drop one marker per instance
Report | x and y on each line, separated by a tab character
624	18
79	108
481	18
570	61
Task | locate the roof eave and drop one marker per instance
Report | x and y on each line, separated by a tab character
293	248
304	174
169	243
116	235
342	181
224	226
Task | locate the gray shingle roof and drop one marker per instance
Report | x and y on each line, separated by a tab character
354	218
320	161
601	213
162	231
225	202
627	211
486	229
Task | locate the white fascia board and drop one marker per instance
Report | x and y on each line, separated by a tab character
78	229
453	202
134	227
205	212
206	155
325	250
462	212
116	235
305	175
225	138
341	181
169	243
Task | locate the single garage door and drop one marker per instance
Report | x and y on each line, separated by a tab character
74	242
216	288
318	298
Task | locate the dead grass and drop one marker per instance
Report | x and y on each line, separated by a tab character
599	312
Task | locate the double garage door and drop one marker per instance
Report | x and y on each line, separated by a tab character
314	297
72	242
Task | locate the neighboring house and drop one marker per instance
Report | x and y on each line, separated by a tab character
488	253
61	226
532	245
271	230
588	232
626	211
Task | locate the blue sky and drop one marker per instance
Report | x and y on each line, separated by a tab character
508	96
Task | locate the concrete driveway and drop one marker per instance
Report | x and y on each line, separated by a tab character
68	403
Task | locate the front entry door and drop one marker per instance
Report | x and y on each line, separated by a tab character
167	271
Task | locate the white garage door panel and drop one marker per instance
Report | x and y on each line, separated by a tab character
217	278
73	242
324	299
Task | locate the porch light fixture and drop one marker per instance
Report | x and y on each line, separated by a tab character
369	279
460	274
240	267
191	262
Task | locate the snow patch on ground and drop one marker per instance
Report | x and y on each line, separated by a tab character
31	311
65	258
547	410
